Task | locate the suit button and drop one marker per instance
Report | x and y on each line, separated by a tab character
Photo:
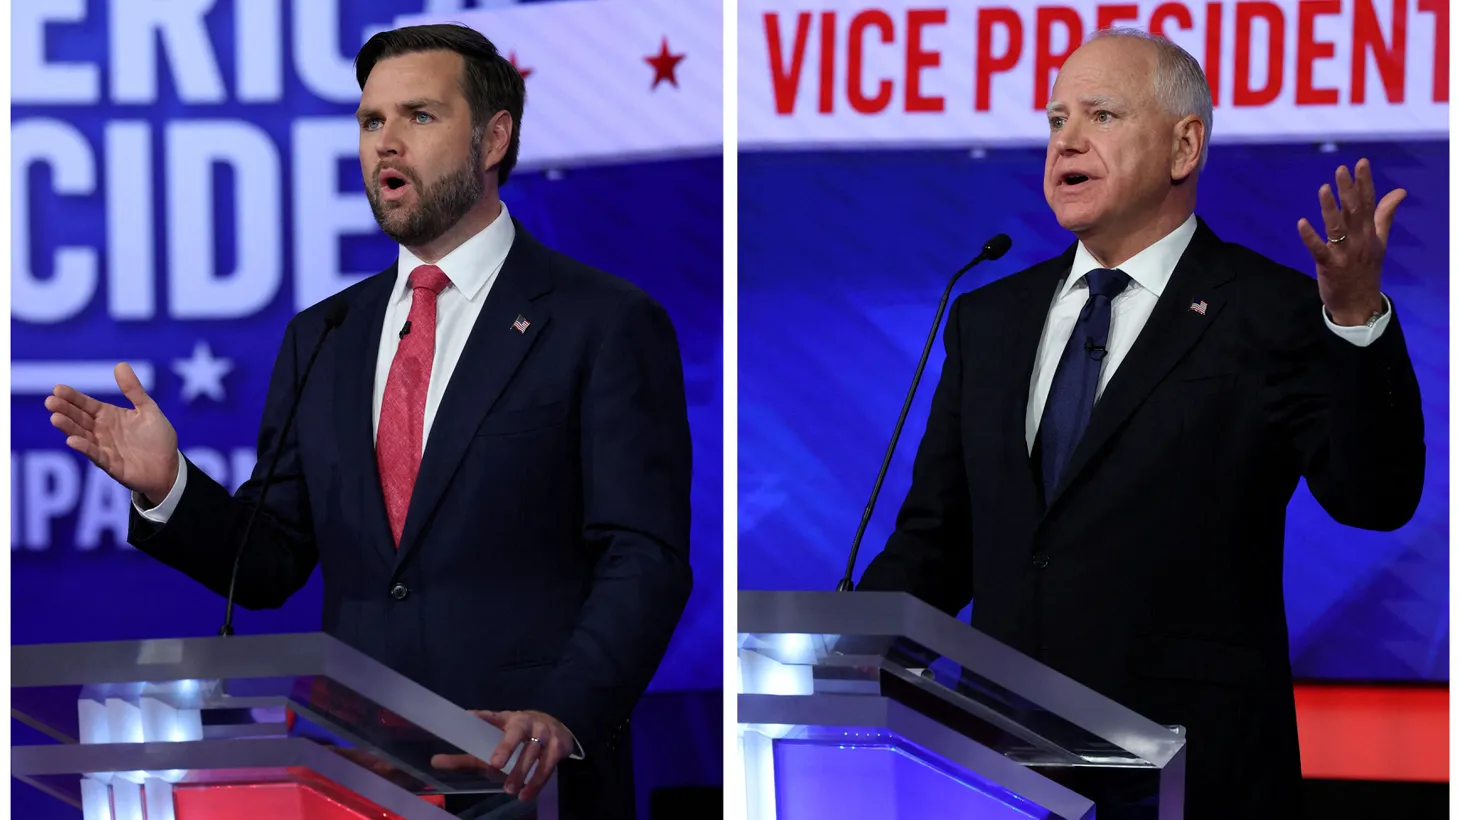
1041	560
399	592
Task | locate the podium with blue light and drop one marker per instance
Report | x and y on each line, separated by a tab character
293	727
875	704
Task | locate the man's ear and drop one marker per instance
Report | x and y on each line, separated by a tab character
1188	138
498	139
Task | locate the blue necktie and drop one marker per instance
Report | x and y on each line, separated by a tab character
1072	393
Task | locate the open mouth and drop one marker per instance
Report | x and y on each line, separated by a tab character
393	180
1074	179
393	185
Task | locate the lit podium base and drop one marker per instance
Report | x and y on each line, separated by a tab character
289	727
878	705
306	801
825	773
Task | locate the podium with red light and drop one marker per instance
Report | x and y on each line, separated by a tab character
293	727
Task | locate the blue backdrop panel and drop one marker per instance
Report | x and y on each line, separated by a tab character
842	259
74	578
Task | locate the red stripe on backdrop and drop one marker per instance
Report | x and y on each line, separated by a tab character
1372	732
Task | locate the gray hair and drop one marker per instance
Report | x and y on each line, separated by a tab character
1181	85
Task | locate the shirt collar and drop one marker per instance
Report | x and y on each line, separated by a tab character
472	265
1151	268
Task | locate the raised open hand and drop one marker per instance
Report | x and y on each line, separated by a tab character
137	447
1350	258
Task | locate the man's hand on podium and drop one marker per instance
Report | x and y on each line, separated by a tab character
548	742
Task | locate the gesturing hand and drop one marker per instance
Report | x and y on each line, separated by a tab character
137	447
548	742
1350	257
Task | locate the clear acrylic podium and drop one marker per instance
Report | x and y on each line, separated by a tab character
875	704
290	727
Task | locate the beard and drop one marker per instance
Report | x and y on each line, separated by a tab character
438	206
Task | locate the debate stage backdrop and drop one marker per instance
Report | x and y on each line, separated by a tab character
858	199
186	180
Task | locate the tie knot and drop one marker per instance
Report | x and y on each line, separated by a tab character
1107	283
429	277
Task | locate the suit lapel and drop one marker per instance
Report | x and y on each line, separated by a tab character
354	407
1171	331
1029	318
494	351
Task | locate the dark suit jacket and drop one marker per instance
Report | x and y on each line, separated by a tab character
1155	574
545	553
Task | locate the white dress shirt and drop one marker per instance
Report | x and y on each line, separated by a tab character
1149	271
472	268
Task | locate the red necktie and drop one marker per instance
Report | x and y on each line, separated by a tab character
403	410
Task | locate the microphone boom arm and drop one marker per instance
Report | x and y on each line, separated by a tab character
992	249
334	316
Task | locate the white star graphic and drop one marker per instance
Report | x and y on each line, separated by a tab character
202	374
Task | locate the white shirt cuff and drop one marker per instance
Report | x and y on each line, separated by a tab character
1362	335
577	747
163	511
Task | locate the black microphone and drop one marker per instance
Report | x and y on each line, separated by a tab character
334	316
405	329
992	249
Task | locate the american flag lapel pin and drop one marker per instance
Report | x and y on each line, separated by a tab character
521	324
1199	306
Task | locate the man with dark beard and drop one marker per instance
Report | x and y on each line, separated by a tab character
490	460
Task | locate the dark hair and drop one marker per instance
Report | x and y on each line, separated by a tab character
489	81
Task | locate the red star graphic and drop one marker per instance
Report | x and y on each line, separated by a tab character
664	64
512	58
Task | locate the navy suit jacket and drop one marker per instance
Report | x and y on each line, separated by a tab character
1154	574
545	558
